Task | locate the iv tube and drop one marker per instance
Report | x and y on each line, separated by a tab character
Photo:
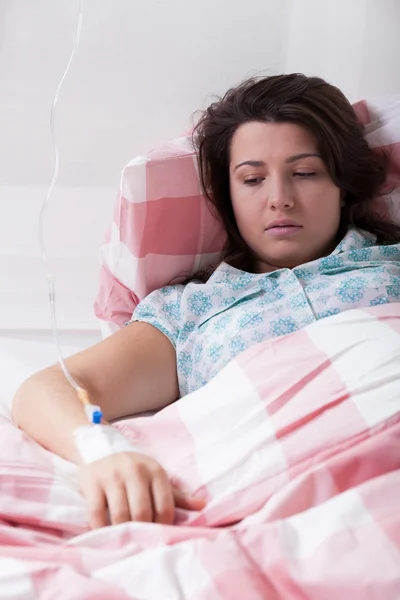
49	277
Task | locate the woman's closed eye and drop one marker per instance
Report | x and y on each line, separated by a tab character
304	175
299	174
253	180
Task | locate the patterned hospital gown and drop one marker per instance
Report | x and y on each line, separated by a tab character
210	323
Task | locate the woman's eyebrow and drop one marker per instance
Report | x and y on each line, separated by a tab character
291	159
251	163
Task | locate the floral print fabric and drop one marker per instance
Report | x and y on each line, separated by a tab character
210	323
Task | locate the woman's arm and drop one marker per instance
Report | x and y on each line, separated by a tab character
132	371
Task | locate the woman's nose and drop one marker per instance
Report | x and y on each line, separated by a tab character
280	194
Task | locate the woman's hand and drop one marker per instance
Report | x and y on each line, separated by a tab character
128	486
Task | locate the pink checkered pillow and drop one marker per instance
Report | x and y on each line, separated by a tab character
163	230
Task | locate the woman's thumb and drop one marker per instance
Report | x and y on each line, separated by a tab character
187	502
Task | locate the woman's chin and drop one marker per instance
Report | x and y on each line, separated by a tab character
290	259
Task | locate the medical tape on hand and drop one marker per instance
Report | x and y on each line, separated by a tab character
95	442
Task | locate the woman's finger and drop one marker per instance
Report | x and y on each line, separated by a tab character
118	505
187	502
139	499
97	505
163	498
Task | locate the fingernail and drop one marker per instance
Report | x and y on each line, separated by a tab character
200	501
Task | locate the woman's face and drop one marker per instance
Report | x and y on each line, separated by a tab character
286	206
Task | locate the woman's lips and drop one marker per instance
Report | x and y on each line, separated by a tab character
283	230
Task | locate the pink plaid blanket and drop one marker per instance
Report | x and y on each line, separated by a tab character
296	447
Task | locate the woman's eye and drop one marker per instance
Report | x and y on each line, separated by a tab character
253	181
304	175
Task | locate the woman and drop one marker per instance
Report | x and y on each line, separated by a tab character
284	161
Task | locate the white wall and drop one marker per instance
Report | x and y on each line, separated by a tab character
354	44
142	69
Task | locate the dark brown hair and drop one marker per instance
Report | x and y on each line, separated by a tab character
309	101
